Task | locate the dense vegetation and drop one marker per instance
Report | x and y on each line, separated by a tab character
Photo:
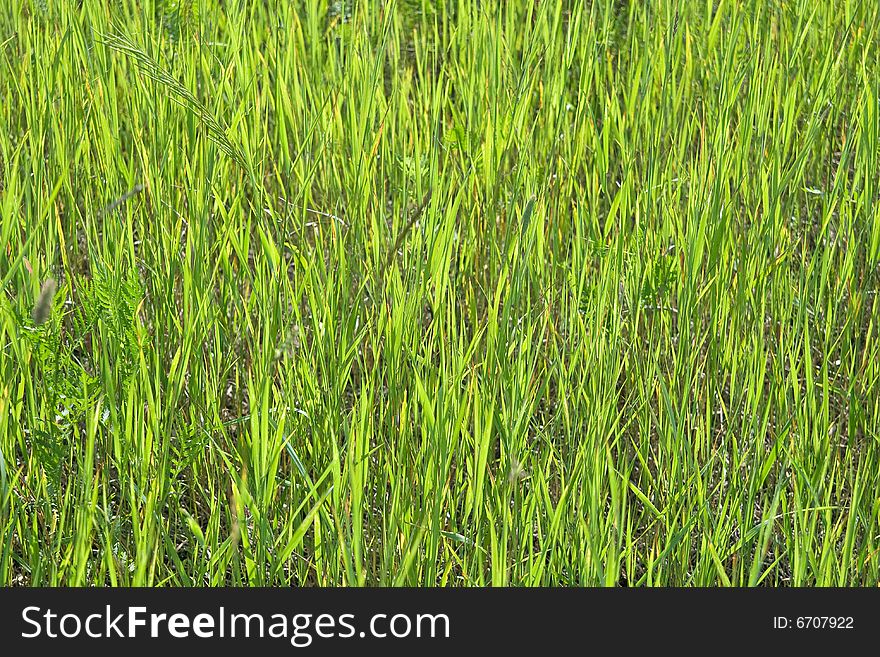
439	293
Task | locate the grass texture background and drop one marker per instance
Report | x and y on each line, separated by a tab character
438	292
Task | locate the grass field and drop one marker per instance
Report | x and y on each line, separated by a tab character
438	292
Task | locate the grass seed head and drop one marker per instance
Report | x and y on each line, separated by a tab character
517	472
43	306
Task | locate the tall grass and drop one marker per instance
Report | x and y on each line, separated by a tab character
439	292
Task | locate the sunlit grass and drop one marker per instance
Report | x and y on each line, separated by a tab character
439	293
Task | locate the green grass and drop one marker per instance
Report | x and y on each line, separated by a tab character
439	292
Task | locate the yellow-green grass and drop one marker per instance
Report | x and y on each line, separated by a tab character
439	293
